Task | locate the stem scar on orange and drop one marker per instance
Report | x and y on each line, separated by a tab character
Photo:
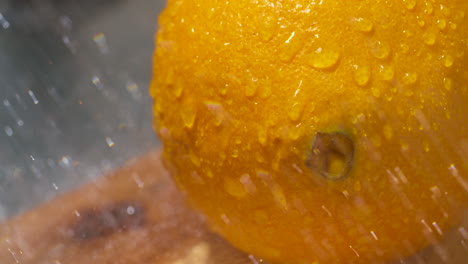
328	131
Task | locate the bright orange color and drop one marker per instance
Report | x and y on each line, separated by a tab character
244	90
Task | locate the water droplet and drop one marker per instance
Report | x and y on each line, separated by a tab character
269	28
388	132
324	58
380	50
429	38
442	24
386	72
262	135
404	48
409	4
375	92
295	111
426	146
234	188
295	132
251	88
429	8
410	78
5	24
448	83
279	197
178	88
8	131
445	10
332	155
290	47
249	186
357	186
420	21
453	26
363	24
265	90
33	97
217	110
404	146
110	142
188	114
101	42
97	82
194	159
362	74
447	60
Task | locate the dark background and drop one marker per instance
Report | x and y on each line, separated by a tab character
74	77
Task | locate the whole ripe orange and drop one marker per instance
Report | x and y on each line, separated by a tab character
317	131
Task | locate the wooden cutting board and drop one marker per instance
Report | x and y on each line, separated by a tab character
135	215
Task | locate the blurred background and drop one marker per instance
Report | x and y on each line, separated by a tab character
74	78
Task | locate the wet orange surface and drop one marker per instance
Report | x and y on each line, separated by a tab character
136	215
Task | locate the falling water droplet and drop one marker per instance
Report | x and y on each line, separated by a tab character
110	142
8	131
5	24
362	74
33	97
324	58
101	42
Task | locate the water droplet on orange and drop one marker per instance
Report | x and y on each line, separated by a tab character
448	83
379	49
295	111
291	47
420	21
410	78
188	113
262	135
409	4
404	48
178	88
386	72
447	60
442	24
362	74
363	25
388	132
429	8
251	88
234	188
429	38
324	58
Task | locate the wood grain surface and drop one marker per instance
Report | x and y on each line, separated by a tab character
136	215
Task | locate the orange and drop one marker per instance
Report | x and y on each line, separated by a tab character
317	131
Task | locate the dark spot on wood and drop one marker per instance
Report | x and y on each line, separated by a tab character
104	221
